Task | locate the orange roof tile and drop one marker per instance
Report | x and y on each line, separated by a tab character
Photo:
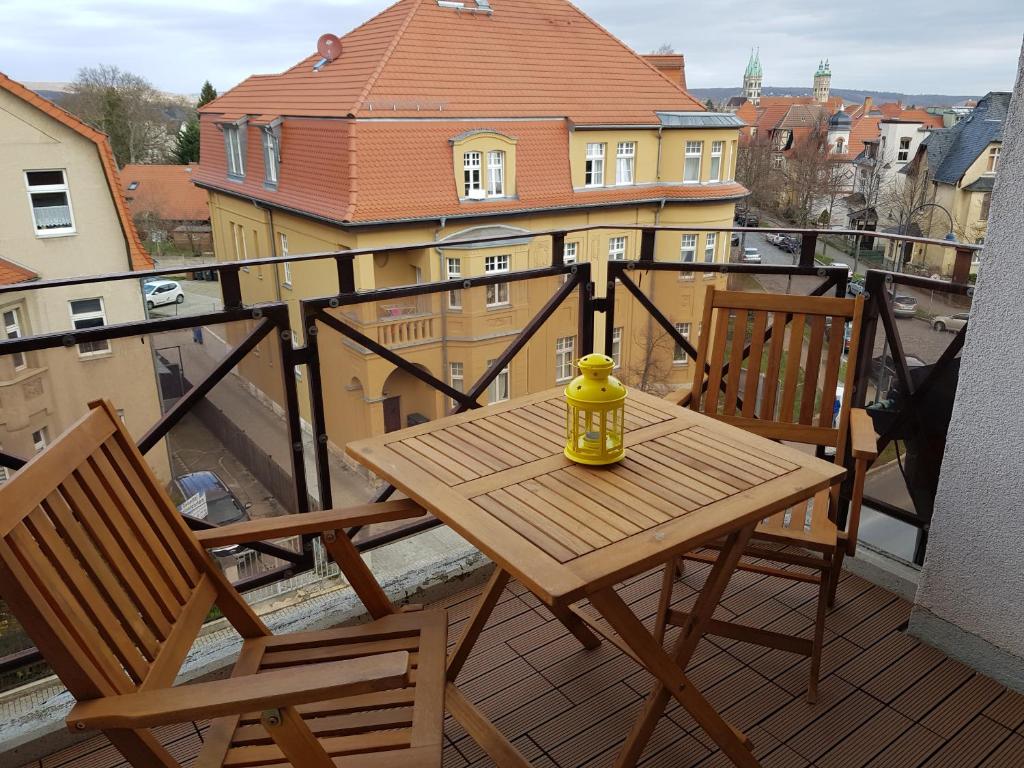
139	259
919	115
166	191
416	59
12	273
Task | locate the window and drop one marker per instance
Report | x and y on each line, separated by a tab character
778	161
471	175
993	160
710	241
497	294
284	255
50	199
691	161
271	155
617	346
986	203
594	173
717	147
840	145
498	389
4	477
625	154
679	356
565	357
495	173
40	439
88	313
457	379
569	253
687	253
233	139
903	153
12	328
454	273
617	248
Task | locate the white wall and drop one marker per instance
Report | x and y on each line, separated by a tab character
970	599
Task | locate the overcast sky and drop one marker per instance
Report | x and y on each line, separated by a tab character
964	47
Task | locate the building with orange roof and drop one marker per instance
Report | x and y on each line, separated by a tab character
441	122
166	205
66	217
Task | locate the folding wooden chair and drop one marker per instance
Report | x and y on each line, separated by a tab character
772	364
108	581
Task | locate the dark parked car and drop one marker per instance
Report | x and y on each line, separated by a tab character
790	244
889	373
747	219
222	506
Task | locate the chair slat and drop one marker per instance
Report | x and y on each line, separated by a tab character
794	353
833	362
697	387
812	369
771	375
717	360
167	663
732	383
754	363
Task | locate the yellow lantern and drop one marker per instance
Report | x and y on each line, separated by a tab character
595	405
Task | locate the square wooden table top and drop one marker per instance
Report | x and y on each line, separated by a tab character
498	477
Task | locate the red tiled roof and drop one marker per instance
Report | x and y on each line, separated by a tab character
139	259
531	58
405	171
12	273
919	115
166	191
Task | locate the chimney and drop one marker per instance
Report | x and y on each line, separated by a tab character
867	105
671	65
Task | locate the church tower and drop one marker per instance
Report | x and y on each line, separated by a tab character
822	82
752	78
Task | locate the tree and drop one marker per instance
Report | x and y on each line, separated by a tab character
754	169
186	147
710	104
808	171
650	358
664	49
127	108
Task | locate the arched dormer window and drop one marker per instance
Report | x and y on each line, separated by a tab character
484	163
840	145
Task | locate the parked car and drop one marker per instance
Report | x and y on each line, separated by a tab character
953	323
889	367
160	292
776	238
735	239
855	288
751	256
791	244
221	505
847	333
747	219
904	306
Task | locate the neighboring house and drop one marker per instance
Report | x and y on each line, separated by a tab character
167	206
415	136
959	164
63	217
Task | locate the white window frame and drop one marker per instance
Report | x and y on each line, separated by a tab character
90	348
903	152
271	156
456	379
625	163
453	265
48	189
593	169
12	330
565	357
692	151
495	173
710	246
497	294
687	253
617	248
501	381
679	356
235	150
40	438
570	253
993	160
284	255
717	153
4	476
617	347
472	175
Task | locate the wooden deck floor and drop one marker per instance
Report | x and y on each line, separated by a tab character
886	700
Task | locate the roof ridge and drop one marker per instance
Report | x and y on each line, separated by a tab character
372	80
637	56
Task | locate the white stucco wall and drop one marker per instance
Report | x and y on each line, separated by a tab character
971	599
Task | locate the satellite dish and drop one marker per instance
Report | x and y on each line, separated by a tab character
329	46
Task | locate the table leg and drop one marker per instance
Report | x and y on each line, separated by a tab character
488	599
669	670
576	625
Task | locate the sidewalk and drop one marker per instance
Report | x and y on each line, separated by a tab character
261	424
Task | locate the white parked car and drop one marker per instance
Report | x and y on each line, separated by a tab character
159	292
751	256
954	323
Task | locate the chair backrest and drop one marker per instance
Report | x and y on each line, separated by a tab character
772	364
98	566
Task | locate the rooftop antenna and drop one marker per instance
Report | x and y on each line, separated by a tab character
329	47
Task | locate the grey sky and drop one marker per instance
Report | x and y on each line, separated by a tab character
941	46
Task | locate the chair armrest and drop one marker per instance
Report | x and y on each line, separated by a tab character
310	522
862	435
248	693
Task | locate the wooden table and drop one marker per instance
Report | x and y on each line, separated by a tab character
498	477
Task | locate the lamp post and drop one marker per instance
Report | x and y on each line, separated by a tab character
950	236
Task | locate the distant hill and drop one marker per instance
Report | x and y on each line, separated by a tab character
719	95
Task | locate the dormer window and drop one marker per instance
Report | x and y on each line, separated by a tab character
993	160
594	173
234	143
271	156
496	173
473	187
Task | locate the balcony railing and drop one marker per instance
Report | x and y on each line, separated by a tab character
402	316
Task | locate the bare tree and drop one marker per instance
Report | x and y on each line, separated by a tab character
808	171
901	197
754	169
126	108
664	48
650	363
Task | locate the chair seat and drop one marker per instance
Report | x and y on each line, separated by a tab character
376	730
806	525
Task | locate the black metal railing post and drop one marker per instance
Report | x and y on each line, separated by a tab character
581	273
557	249
230	287
346	274
291	359
808	247
647	241
318	417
